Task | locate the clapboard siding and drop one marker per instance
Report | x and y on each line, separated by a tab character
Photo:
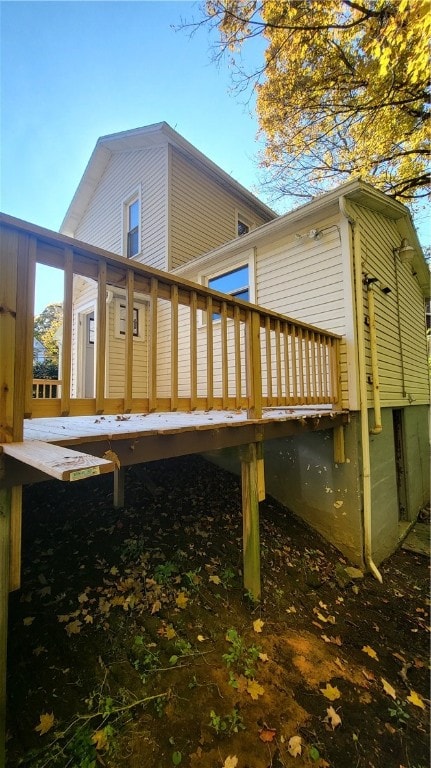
202	211
400	326
126	172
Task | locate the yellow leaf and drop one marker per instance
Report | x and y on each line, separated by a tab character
181	600
46	723
415	699
371	653
254	689
215	579
387	687
156	606
332	718
330	692
99	739
200	638
170	633
295	746
73	628
112	456
230	762
88	619
257	625
28	621
83	598
263	657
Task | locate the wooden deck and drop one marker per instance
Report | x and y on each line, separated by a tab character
138	438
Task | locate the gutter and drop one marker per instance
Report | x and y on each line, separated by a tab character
360	318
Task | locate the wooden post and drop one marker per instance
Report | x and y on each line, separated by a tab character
119	483
254	366
128	357
250	518
339	452
5	516
260	471
101	338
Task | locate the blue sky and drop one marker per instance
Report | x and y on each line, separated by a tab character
74	71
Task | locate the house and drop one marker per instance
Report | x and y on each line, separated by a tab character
39	351
349	262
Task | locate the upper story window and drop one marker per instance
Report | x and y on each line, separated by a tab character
242	227
132	228
243	224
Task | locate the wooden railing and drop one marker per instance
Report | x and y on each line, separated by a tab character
46	388
199	349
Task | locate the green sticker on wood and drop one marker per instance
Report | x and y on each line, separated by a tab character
80	474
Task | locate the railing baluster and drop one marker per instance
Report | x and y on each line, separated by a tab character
300	365
128	388
174	347
294	362
320	388
278	361
32	250
66	363
210	353
152	372
286	362
224	356
237	346
193	351
101	337
268	359
326	383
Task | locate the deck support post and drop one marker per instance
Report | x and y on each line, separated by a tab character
339	452
119	483
260	471
250	518
5	526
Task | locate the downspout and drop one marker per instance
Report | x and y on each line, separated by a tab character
374	361
363	398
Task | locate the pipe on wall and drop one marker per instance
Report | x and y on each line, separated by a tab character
378	427
363	397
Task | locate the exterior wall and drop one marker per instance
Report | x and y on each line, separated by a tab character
116	354
125	174
400	315
301	474
417	458
203	213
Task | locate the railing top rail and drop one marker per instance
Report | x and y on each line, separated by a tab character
86	251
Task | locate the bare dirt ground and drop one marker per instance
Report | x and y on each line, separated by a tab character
132	644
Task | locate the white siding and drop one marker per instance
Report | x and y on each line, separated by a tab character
400	315
126	172
203	213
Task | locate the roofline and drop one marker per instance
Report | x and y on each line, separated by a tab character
107	145
356	191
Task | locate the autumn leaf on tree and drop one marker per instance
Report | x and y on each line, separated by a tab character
258	624
295	746
333	718
388	688
254	689
370	652
46	723
330	692
415	699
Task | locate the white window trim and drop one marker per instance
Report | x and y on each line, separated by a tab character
140	307
136	195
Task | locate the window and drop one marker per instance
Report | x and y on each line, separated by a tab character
235	282
132	225
120	319
242	228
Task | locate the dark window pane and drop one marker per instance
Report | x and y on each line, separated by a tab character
242	227
133	242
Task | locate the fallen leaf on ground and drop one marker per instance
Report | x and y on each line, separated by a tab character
74	627
215	579
267	734
331	692
181	600
388	688
230	762
333	718
263	657
415	699
155	608
99	740
46	723
28	621
254	689
354	573
258	624
295	746
370	652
